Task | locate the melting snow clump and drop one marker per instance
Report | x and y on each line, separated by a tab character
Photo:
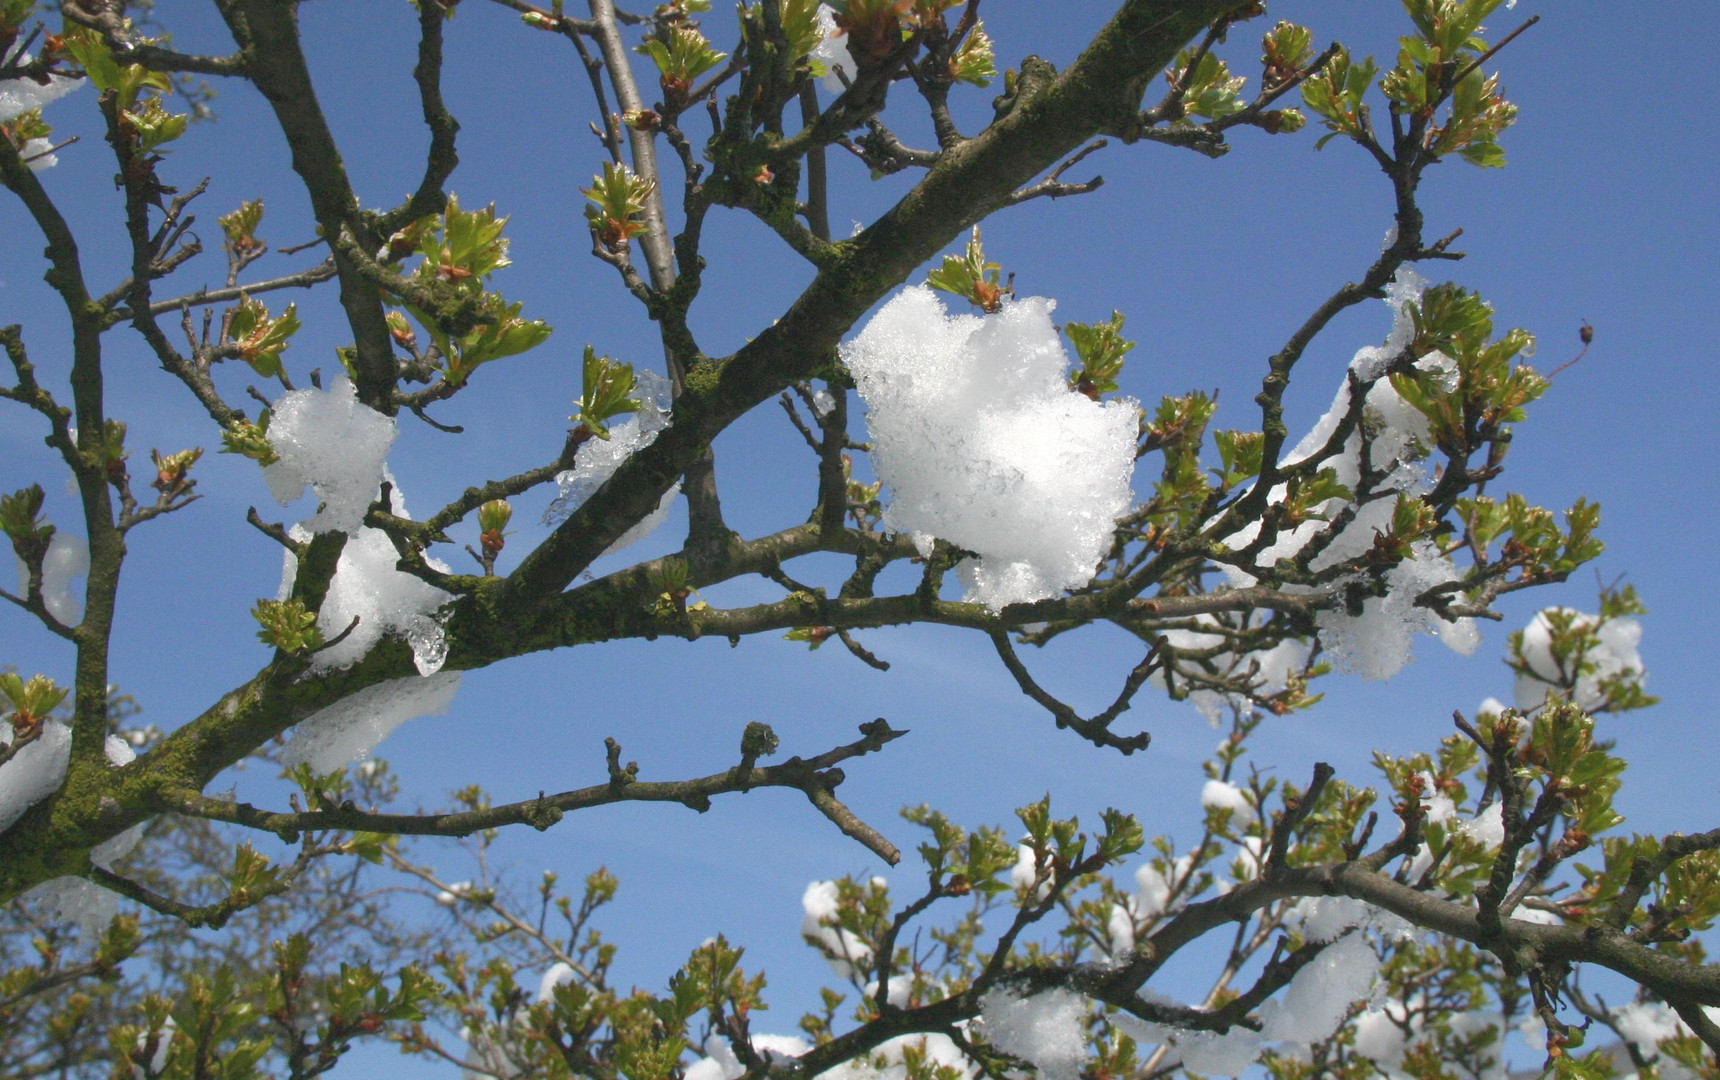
332	442
599	458
982	443
22	95
1048	1029
75	900
842	949
1218	795
832	49
35	772
1377	643
1320	995
352	727
366	585
67	557
722	1064
1615	655
559	974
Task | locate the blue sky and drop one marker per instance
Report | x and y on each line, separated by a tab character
1604	213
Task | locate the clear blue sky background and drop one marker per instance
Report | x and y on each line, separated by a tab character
1605	213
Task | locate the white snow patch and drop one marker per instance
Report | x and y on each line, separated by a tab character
1614	655
1487	827
454	893
1646	1023
1380	1036
1153	886
901	989
1376	643
832	49
843	950
1218	795
329	440
1026	871
886	1062
1320	995
982	443
1323	918
647	524
1207	1053
352	727
78	901
22	95
722	1064
599	458
35	772
67	557
559	974
36	153
1048	1029
385	600
158	1060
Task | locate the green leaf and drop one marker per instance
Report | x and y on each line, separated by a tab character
681	54
250	440
975	63
259	337
617	209
1101	347
1210	90
605	394
970	277
154	125
287	626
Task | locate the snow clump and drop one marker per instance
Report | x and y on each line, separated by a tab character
1207	1053
936	1050
1320	995
1048	1029
1272	668
722	1064
21	95
599	458
352	727
34	772
1377	643
841	948
982	443
559	974
67	557
1218	795
385	600
335	444
831	50
1614	655
72	900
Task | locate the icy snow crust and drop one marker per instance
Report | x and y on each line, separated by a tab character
352	727
831	51
599	458
35	772
981	443
69	899
22	95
